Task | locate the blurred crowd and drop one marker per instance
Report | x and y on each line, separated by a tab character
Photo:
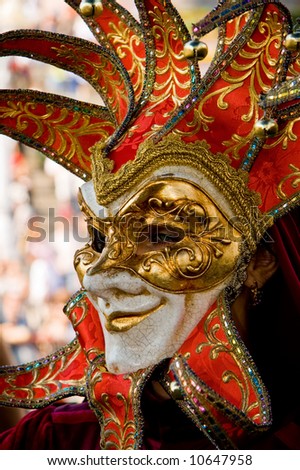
36	262
40	223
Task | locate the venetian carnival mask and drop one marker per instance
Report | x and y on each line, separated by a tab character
155	266
183	175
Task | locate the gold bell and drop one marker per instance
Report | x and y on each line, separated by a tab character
91	7
265	128
195	48
292	41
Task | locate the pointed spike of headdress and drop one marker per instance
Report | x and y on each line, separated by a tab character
169	77
90	61
120	33
228	10
64	369
61	128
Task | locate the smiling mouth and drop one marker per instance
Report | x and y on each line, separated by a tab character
119	322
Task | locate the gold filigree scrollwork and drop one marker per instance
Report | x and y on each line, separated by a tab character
218	346
124	430
203	239
61	132
74	318
49	382
237	24
126	45
83	259
172	235
257	62
152	156
114	409
103	74
294	176
123	436
294	67
172	68
284	137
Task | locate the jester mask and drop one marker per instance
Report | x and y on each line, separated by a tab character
182	175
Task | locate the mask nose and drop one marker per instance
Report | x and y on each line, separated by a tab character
115	280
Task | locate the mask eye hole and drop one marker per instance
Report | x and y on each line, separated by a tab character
98	240
158	235
165	235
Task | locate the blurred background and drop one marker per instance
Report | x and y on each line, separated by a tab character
37	278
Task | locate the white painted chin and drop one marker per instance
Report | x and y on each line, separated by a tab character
156	337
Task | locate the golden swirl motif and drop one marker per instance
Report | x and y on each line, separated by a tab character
194	256
152	156
238	24
72	315
284	137
125	44
253	67
104	71
83	259
253	70
117	431
56	127
124	433
218	346
170	85
295	175
171	234
50	383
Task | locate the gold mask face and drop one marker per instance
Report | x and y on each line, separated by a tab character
170	233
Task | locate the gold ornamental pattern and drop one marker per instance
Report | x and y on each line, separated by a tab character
252	64
254	67
169	67
42	381
127	45
171	234
102	74
59	129
293	178
171	150
217	346
118	410
284	137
